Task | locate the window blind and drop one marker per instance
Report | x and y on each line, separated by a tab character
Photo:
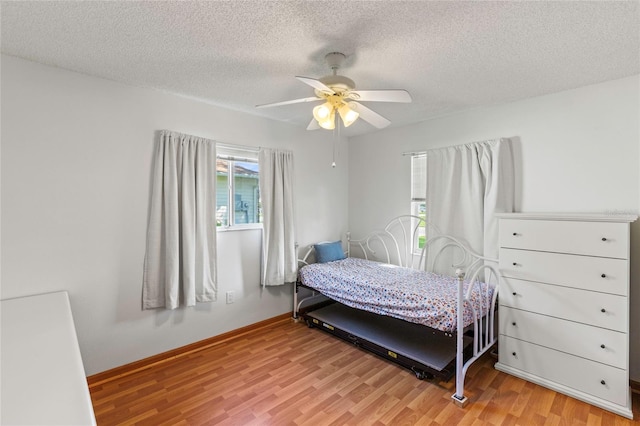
419	177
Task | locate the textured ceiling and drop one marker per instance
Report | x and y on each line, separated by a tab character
450	56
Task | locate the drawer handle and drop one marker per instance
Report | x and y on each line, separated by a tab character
515	264
515	234
604	239
604	275
513	323
513	353
602	346
603	310
602	382
514	293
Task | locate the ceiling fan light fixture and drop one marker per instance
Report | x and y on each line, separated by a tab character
325	115
328	123
348	115
322	112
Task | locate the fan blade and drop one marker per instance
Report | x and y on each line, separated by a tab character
380	95
313	125
369	116
295	101
316	84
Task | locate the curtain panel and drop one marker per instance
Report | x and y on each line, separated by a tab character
279	262
180	260
466	186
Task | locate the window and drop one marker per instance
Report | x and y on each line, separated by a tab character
419	194
237	188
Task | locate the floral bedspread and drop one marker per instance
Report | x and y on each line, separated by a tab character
412	295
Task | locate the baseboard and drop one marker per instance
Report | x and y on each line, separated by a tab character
635	386
127	369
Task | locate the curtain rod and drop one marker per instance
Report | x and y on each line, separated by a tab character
452	146
238	147
225	145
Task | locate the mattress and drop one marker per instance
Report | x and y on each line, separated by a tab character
412	295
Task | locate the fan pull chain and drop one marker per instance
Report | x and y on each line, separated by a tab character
333	164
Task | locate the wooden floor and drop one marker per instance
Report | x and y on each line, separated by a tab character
288	374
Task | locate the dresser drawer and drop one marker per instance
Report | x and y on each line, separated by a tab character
592	273
598	344
593	378
566	303
605	239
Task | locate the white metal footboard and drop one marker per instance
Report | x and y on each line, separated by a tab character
478	269
483	330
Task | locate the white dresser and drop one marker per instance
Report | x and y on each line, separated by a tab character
43	380
564	304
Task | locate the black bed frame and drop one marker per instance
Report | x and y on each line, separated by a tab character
427	352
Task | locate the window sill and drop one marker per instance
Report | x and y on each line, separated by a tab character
239	227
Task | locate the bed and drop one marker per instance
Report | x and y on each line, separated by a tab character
402	303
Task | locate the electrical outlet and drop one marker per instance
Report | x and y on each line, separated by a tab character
230	297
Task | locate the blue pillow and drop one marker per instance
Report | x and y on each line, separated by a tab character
328	252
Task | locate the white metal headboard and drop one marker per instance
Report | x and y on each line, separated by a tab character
397	244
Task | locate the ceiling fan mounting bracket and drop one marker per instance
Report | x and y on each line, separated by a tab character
338	83
335	60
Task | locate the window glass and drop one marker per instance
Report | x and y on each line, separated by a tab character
246	196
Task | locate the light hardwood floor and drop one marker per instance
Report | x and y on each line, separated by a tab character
288	374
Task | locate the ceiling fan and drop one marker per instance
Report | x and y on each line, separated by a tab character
340	95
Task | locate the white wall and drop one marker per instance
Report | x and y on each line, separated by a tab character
575	151
75	168
75	182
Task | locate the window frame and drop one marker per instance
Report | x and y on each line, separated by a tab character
232	154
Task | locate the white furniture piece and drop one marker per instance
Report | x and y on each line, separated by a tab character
43	379
564	304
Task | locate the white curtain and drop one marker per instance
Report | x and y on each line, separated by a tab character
180	262
466	186
279	263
